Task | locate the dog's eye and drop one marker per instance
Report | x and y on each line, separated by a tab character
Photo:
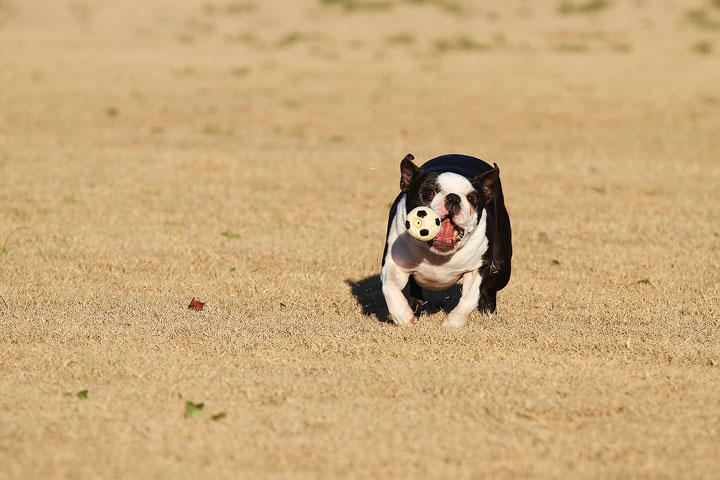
472	198
428	193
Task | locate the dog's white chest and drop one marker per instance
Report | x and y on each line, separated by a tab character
432	275
435	277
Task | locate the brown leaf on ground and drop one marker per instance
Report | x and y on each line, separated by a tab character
196	305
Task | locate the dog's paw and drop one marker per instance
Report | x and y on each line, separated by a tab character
404	320
455	321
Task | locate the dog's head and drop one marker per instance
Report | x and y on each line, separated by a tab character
457	199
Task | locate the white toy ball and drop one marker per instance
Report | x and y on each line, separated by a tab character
423	223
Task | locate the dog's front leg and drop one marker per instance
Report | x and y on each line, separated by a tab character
393	281
458	317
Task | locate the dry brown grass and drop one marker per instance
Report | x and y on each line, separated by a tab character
133	134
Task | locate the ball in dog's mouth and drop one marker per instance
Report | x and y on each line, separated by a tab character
448	237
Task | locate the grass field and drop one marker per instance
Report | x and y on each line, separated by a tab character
246	153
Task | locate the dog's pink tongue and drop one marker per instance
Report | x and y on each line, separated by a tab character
446	232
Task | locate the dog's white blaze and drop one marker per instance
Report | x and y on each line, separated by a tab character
452	182
461	186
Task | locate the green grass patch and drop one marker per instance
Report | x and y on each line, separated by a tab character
572	48
292	104
293	38
405	39
355	5
449	6
703	47
248	39
217	131
82	394
232	8
702	19
193	410
240	71
573	8
230	235
621	47
446	5
461	43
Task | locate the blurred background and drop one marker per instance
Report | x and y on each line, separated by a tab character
228	115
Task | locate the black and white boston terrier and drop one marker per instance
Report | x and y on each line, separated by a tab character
474	242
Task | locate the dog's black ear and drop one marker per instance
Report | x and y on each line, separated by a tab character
487	182
408	172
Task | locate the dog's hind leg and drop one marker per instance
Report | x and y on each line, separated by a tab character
416	299
495	277
488	301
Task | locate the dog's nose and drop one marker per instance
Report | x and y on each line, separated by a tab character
452	203
452	199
